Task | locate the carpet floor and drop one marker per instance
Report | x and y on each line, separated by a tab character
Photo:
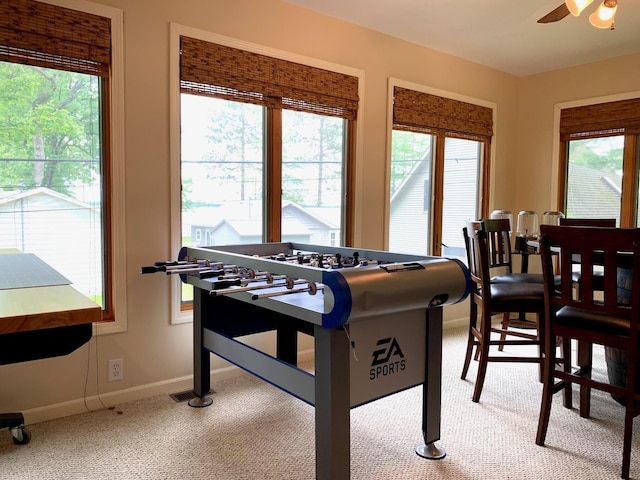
255	431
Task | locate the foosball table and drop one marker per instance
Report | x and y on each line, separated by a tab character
375	316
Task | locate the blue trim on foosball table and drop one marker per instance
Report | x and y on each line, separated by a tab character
342	303
469	284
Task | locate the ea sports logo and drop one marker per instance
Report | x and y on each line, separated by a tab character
386	360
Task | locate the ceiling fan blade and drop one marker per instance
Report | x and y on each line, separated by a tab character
556	14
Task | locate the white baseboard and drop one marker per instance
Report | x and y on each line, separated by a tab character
111	399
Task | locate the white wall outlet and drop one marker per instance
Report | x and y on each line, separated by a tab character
115	370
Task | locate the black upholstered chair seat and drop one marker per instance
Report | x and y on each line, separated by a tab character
517	294
593	321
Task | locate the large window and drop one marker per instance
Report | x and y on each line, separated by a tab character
56	145
439	147
51	171
266	149
599	161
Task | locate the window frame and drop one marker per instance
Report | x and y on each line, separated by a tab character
115	175
486	175
353	148
114	317
630	193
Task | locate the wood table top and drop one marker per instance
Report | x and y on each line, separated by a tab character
32	308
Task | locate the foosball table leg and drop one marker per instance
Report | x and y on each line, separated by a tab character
332	407
431	389
201	357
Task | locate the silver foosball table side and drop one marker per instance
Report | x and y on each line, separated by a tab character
377	330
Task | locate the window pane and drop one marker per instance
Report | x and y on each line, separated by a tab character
222	171
51	171
460	193
312	178
594	178
410	193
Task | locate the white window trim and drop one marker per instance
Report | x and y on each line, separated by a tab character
176	31
395	82
118	278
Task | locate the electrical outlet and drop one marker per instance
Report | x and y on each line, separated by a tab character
115	370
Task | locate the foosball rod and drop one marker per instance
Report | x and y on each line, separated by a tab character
170	266
312	289
248	288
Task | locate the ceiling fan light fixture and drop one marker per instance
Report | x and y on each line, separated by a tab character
604	16
577	6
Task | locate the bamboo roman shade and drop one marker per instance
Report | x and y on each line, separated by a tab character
224	72
425	113
45	35
601	120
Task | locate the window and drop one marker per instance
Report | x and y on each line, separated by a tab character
57	147
266	149
439	147
599	161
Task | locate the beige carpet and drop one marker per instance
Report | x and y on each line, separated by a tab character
254	431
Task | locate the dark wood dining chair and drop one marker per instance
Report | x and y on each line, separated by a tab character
488	250
608	317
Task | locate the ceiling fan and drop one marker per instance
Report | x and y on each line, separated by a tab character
603	17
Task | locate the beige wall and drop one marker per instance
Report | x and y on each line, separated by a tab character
538	94
156	353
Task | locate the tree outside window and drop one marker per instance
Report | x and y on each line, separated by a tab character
50	170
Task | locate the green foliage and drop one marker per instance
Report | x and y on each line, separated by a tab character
235	137
603	154
312	155
49	127
407	150
312	158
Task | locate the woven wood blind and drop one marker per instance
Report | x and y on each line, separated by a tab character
224	72
44	35
425	113
601	120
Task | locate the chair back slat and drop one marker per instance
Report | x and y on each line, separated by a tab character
498	242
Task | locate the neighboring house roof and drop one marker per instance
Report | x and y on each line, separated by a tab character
595	194
319	214
216	216
419	170
247	228
7	197
412	176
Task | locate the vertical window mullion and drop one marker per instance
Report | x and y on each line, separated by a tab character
273	175
562	176
485	172
107	261
437	196
629	182
349	185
